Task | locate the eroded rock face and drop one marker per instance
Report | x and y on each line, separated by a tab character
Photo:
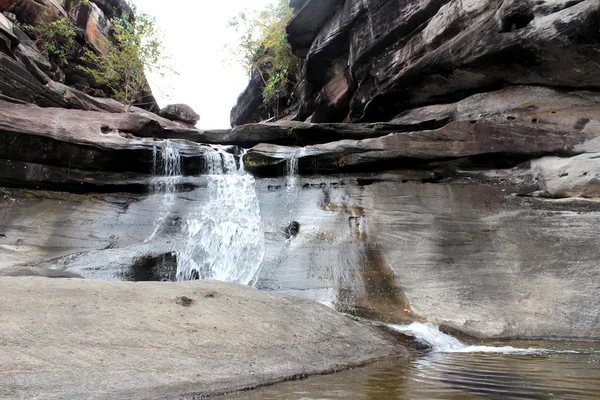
249	101
516	123
396	55
26	75
42	145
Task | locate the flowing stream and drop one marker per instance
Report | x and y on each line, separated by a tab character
456	370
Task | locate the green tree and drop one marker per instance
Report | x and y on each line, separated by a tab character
263	44
55	41
136	49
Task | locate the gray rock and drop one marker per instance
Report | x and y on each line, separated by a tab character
568	177
467	253
388	246
43	272
246	109
305	25
180	112
138	341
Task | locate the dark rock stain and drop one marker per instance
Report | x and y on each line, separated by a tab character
581	124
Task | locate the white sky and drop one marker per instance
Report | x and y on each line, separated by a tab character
196	33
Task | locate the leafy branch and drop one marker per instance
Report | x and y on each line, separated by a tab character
136	49
263	46
54	40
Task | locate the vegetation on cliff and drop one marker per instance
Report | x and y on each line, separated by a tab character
264	48
137	49
55	40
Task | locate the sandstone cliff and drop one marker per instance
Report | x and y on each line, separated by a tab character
369	60
28	76
462	187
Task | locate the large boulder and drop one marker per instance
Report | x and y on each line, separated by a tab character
180	112
167	340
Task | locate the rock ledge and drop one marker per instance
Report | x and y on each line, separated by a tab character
154	340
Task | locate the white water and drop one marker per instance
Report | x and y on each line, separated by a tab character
430	335
224	238
167	172
291	179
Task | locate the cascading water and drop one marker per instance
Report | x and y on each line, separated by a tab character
291	180
430	335
224	237
167	172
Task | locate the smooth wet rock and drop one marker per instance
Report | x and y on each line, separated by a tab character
141	340
472	254
391	246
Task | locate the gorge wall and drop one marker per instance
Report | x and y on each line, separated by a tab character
369	60
462	187
28	76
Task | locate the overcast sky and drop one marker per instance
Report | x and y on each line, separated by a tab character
196	35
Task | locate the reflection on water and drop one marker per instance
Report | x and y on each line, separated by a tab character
563	370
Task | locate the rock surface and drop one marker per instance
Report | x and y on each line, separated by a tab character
477	251
180	112
249	101
368	60
476	255
83	141
515	123
150	340
28	76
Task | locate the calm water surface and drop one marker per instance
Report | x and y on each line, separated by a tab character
542	370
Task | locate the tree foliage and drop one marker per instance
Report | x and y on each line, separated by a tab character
264	46
136	49
55	40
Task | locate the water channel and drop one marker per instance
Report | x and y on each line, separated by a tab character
454	370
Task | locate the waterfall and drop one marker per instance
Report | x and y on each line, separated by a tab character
291	179
166	174
430	335
224	238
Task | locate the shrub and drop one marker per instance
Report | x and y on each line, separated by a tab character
264	45
5	194
55	41
136	49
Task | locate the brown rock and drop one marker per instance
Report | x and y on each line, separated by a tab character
180	112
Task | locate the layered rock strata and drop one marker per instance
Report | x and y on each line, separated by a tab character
466	195
368	60
27	76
